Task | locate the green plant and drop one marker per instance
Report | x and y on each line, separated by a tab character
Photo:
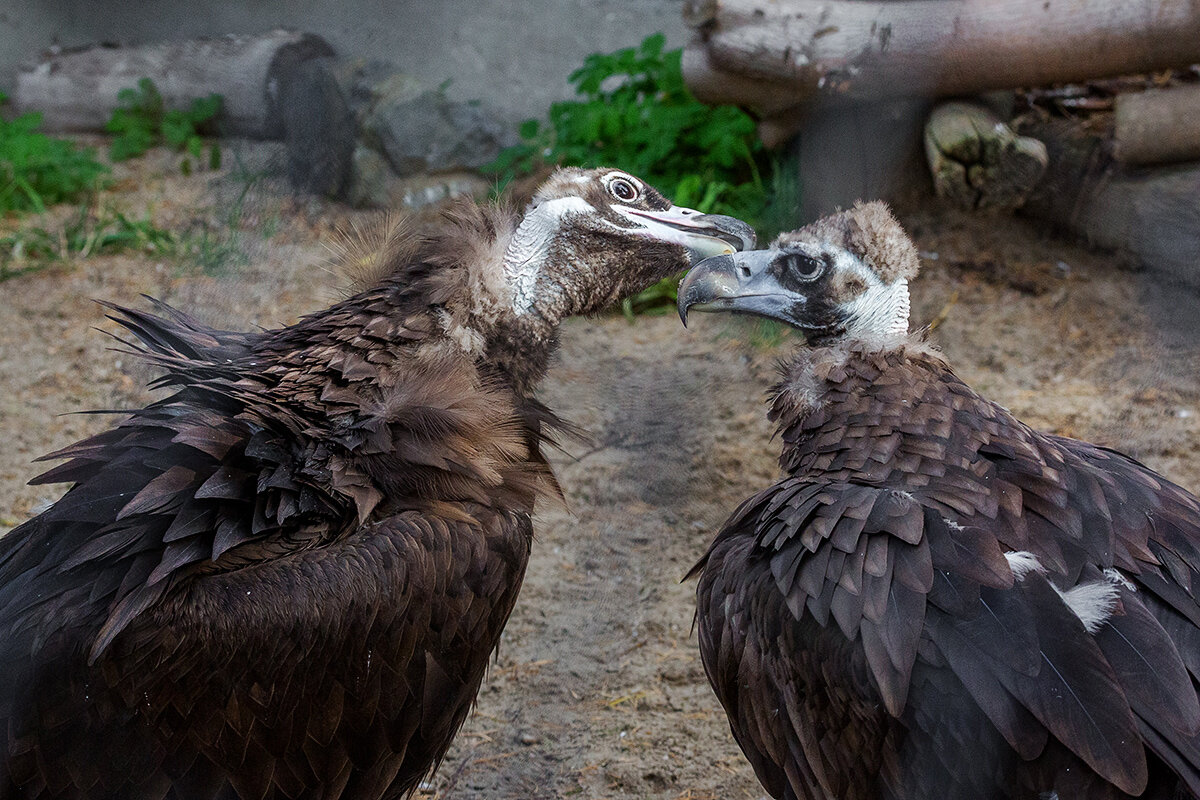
37	170
636	114
87	233
211	243
143	121
653	301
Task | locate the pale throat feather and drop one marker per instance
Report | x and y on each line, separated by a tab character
899	326
882	310
525	256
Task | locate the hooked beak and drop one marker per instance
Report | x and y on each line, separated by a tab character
703	235
741	283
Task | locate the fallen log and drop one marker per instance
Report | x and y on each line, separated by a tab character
776	55
1149	215
77	90
1158	126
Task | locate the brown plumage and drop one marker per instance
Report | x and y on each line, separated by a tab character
285	579
936	601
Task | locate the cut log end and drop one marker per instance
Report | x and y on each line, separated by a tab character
977	161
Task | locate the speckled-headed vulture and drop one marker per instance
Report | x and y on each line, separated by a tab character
936	602
285	579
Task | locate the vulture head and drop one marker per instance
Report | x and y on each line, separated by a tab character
844	276
591	237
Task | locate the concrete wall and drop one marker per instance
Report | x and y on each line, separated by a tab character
513	53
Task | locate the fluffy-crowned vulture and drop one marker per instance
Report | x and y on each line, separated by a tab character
285	579
936	601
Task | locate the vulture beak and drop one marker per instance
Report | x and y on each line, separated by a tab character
742	283
703	235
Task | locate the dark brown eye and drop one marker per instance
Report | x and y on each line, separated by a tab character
805	268
623	189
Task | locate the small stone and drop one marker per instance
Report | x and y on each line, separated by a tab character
430	133
370	179
425	190
527	738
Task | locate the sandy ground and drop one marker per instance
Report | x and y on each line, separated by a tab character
597	690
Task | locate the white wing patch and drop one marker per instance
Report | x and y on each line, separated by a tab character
1092	602
1116	576
1022	563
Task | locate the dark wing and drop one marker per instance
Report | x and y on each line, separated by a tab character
1102	528
178	488
176	333
868	586
250	459
1145	531
217	589
340	671
811	603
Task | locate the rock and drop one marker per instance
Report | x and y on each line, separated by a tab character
429	133
370	179
368	83
354	126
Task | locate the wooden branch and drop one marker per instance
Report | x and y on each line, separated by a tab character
1158	126
798	50
77	90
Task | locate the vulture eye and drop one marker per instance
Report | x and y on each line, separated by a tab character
805	267
623	189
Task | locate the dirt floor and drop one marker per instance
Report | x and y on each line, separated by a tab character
597	691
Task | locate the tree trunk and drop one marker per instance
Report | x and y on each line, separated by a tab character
77	91
776	55
1158	126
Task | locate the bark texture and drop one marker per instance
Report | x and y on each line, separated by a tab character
776	56
1158	126
77	90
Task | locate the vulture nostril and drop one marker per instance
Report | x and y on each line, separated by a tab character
745	272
